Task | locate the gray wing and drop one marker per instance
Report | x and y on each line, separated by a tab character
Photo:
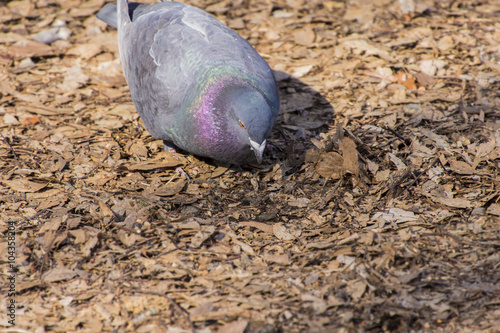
170	50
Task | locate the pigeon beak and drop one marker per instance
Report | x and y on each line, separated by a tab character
258	149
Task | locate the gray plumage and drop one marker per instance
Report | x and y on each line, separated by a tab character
195	82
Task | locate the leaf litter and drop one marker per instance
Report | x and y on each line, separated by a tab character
377	209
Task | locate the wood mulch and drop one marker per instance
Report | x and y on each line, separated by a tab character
377	209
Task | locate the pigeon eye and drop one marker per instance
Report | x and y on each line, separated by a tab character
243	126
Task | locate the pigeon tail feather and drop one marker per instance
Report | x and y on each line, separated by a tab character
108	14
123	12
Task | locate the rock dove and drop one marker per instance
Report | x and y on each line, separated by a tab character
196	83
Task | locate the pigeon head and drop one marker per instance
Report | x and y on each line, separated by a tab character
250	117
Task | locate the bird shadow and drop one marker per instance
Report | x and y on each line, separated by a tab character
304	114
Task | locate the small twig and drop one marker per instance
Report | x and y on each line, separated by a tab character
396	134
358	141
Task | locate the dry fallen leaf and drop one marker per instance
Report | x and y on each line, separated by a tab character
282	259
304	36
330	166
162	160
238	326
58	274
461	167
299	202
350	156
281	232
406	79
261	226
455	202
24	185
26	49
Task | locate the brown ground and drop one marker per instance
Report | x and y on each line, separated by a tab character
378	209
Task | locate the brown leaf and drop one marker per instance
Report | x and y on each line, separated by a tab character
238	326
281	232
445	43
80	236
261	226
110	123
170	189
330	166
162	160
25	49
83	11
461	167
89	245
139	148
105	210
58	274
21	8
128	239
85	51
356	289
30	120
100	178
202	236
406	79
318	304
52	225
455	202
350	156
304	36
282	259
299	202
482	152
74	79
494	209
24	185
424	79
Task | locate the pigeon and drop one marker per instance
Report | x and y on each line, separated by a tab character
196	84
